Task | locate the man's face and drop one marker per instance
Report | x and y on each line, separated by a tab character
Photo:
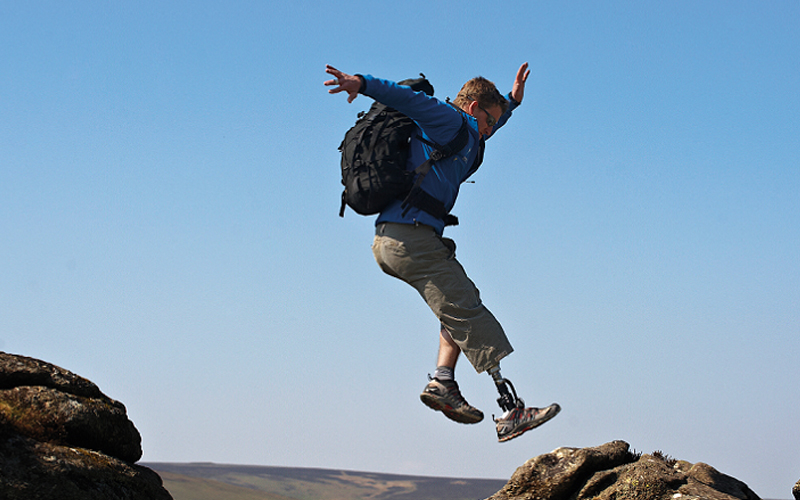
487	118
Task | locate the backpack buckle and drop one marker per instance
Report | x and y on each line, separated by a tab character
437	155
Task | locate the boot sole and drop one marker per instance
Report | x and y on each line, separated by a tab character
434	404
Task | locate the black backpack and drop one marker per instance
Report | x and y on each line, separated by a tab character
374	156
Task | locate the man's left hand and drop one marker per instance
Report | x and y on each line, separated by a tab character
518	90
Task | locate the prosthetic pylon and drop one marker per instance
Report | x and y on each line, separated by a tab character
508	400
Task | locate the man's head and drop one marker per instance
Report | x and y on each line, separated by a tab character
480	98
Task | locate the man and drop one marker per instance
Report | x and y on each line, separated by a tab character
409	244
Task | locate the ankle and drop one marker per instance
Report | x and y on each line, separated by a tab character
444	373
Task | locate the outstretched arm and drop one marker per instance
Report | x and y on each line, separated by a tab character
343	82
440	121
518	90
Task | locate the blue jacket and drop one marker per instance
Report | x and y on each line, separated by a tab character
439	122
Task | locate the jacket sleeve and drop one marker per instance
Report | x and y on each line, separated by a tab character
439	120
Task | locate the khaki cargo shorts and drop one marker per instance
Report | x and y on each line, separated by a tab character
427	261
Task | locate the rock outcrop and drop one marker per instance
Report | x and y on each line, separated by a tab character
613	472
62	438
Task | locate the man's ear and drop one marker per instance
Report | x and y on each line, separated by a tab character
473	105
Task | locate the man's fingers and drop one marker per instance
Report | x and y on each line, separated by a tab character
335	73
523	73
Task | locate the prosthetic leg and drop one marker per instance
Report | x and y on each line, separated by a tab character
508	400
516	419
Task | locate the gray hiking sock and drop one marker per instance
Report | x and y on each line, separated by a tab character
444	373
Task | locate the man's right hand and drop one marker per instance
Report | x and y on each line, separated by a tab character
343	82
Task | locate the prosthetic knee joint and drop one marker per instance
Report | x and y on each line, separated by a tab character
508	400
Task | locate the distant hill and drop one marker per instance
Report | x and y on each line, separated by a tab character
206	481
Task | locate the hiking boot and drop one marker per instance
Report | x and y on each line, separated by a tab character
444	396
514	422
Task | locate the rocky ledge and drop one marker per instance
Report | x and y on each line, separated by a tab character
613	472
62	438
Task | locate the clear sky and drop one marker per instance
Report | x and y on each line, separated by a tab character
169	194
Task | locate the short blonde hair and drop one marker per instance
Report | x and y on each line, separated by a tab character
482	90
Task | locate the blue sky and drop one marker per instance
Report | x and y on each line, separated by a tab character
170	187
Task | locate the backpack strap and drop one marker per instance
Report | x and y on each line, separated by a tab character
420	199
